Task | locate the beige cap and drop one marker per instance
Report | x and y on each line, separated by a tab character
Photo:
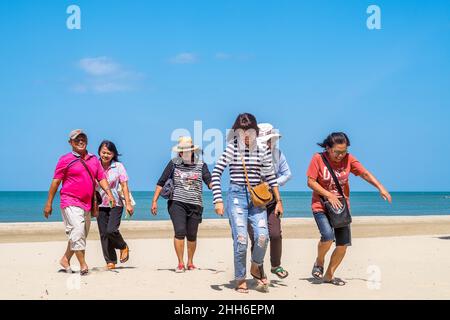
75	133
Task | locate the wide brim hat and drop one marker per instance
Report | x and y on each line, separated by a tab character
185	144
267	132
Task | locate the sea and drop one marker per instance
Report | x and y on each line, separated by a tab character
28	206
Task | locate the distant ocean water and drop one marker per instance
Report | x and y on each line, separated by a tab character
28	206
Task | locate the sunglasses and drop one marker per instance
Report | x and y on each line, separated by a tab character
80	139
339	153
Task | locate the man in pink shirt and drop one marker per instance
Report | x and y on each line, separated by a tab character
77	192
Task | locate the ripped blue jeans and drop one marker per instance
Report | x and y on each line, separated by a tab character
240	213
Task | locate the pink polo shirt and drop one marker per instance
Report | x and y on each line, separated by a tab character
77	189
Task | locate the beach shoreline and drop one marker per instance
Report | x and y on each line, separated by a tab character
293	228
390	258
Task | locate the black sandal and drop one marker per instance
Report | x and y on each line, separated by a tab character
264	287
336	281
84	272
317	272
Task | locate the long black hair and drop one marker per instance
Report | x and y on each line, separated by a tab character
244	121
111	147
335	138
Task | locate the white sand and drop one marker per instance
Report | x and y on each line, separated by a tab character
406	267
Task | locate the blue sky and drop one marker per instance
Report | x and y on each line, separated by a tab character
137	70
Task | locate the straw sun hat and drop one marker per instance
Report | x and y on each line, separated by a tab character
185	144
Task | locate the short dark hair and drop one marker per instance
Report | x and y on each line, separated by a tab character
335	138
111	147
244	121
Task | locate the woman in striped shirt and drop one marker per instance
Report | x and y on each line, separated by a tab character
240	210
186	204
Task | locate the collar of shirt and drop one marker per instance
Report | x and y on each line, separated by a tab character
77	155
112	165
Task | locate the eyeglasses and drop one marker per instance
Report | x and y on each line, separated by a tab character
339	153
80	139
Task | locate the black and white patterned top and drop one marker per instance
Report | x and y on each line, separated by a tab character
187	178
258	162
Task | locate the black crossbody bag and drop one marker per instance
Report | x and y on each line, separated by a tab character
96	197
338	217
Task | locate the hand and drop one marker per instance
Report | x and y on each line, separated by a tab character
154	208
130	209
47	210
279	210
94	213
219	208
112	202
386	195
334	200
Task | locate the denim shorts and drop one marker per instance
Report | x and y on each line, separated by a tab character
342	236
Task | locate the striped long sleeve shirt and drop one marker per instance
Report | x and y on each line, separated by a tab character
258	163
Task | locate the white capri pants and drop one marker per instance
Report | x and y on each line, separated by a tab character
77	222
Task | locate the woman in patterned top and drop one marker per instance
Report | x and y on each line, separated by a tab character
109	219
240	210
186	204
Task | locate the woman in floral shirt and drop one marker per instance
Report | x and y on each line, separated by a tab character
109	218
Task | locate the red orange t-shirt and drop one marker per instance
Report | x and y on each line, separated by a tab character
319	172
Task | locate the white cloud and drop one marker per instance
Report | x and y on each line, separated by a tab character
100	66
104	87
104	75
184	58
235	56
223	56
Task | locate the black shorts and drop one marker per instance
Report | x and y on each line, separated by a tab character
185	219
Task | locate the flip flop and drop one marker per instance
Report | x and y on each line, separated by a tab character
66	270
127	256
263	287
279	271
317	272
191	267
336	281
84	272
241	290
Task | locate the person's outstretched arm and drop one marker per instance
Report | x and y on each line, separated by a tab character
51	195
370	178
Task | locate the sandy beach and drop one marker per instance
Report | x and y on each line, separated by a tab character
391	258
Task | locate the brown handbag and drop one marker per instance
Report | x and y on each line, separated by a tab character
259	194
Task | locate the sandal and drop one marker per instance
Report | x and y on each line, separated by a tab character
280	272
263	287
191	267
317	272
180	268
84	272
127	251
240	289
336	281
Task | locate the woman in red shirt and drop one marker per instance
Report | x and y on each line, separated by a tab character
322	184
